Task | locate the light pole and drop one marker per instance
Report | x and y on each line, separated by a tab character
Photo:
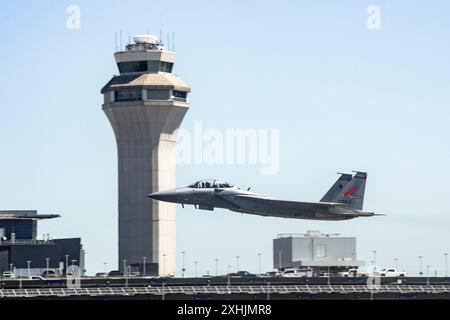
279	259
124	261
420	265
144	265
428	275
163	291
375	256
183	269
446	264
47	262
127	274
28	267
228	273
20	279
217	266
328	274
396	263
67	262
259	263
104	267
164	260
237	263
195	268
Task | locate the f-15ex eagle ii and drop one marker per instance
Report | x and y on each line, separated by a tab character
343	201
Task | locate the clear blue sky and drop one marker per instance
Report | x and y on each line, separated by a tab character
344	97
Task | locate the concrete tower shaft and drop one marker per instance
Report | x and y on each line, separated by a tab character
145	105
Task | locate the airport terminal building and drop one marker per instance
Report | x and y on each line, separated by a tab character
23	254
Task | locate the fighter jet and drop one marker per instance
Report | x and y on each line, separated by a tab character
343	201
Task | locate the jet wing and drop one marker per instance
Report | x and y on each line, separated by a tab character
299	205
28	216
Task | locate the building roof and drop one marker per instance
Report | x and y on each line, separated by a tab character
154	80
25	214
309	234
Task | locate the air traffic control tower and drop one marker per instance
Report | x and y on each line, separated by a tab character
145	105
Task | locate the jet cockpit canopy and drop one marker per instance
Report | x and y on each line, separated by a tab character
210	183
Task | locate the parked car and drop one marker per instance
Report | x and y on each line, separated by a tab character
8	275
390	272
101	274
243	274
115	273
270	274
353	272
327	275
163	278
49	274
298	273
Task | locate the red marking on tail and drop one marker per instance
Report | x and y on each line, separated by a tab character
350	192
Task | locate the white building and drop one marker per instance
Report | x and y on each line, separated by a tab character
316	250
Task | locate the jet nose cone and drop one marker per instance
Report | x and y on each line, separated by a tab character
154	195
169	195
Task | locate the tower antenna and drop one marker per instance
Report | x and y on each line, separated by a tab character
173	41
120	49
160	36
168	41
115	41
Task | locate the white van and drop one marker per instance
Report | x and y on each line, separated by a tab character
8	275
298	273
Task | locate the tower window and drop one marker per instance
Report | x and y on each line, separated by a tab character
166	67
128	95
132	66
145	66
180	96
158	94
